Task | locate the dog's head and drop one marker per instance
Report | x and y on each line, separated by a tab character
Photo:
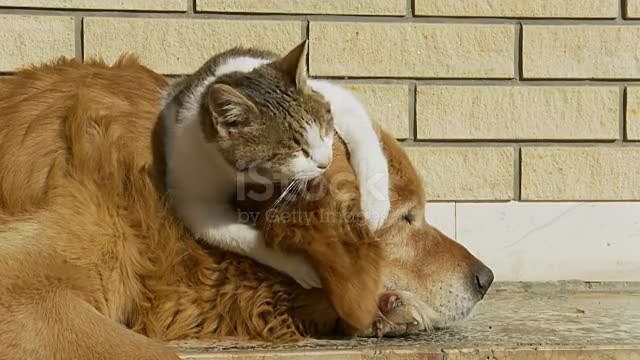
431	281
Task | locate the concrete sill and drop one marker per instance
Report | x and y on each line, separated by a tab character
564	320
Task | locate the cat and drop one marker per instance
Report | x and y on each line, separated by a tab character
247	112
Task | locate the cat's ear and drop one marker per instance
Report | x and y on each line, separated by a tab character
294	66
228	106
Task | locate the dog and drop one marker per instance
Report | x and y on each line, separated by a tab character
95	264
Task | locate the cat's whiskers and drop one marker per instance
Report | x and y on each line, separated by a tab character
296	190
284	193
292	190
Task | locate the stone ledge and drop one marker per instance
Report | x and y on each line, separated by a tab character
564	320
533	353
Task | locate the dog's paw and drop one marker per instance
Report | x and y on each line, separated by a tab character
375	207
299	268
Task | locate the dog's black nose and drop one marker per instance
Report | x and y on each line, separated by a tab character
483	279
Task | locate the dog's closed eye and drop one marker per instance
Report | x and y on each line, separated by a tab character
409	218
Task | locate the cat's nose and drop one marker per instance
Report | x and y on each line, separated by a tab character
322	156
323	164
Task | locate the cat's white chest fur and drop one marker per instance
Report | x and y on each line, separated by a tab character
193	168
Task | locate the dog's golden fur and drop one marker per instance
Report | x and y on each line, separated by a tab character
87	243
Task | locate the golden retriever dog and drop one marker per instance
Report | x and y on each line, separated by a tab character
94	264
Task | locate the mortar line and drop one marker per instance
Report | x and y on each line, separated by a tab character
480	82
455	220
411	8
305	35
623	113
517	172
8	10
521	143
622	9
191	7
565	200
401	18
78	38
483	81
464	82
519	70
413	118
372	81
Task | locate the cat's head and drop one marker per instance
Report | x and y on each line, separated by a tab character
268	123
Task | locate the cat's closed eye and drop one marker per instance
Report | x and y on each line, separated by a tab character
301	153
301	150
326	130
231	122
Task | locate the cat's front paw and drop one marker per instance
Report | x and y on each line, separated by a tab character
375	207
299	268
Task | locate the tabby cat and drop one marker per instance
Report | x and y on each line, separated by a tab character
247	116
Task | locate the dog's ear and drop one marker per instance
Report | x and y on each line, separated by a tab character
342	249
347	257
350	268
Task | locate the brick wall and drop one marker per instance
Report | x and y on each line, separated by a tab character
495	100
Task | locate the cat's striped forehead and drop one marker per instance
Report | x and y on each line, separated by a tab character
280	102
